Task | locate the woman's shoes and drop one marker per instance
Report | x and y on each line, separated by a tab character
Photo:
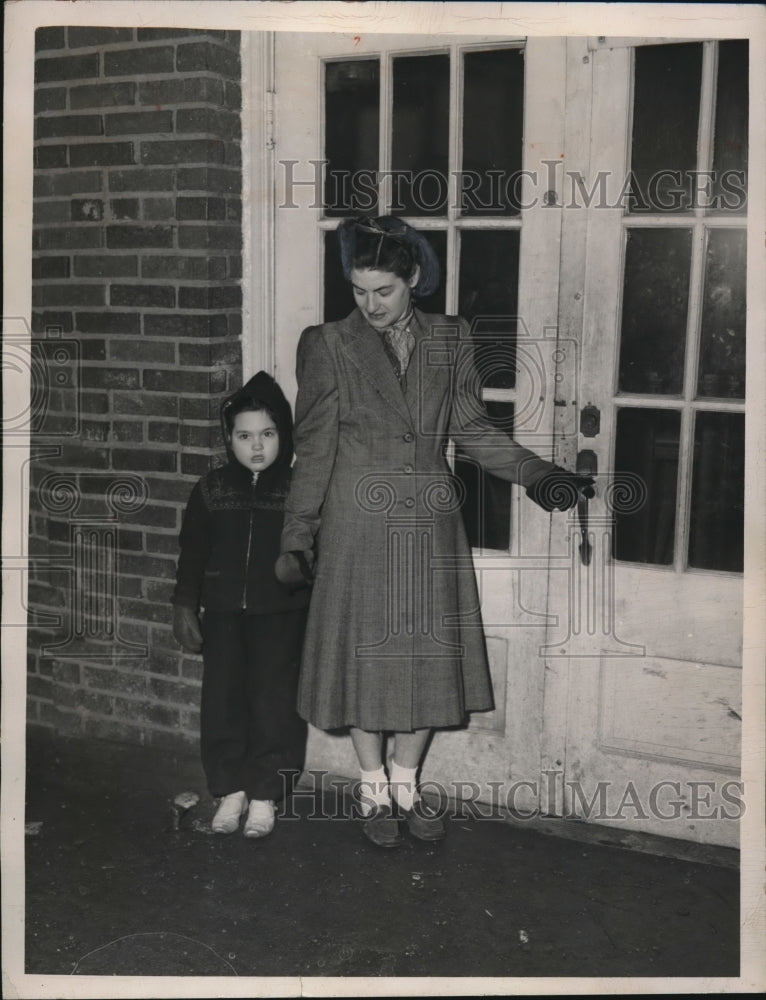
381	827
423	822
229	812
260	818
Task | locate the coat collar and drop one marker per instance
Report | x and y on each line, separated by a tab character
364	346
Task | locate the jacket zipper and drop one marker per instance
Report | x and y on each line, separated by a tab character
249	541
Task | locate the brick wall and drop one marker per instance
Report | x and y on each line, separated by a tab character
136	326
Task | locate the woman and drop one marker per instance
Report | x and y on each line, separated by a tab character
394	641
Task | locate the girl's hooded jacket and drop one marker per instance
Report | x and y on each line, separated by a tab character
229	540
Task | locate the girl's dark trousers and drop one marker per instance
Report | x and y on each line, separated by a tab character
252	738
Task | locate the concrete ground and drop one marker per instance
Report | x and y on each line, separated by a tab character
114	889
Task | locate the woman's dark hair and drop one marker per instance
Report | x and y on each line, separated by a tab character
388	244
245	405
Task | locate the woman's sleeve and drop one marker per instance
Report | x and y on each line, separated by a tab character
473	432
316	440
194	542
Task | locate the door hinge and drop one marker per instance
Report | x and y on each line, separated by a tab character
269	118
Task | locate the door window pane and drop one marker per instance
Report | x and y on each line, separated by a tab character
646	484
722	346
488	299
338	297
352	117
487	503
420	139
665	124
730	146
493	118
654	309
716	533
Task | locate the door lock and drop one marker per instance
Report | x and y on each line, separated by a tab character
587	465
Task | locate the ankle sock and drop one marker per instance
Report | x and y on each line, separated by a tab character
373	790
403	785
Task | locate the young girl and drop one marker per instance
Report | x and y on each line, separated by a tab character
394	641
252	739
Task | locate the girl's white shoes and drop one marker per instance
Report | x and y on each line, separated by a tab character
229	812
260	818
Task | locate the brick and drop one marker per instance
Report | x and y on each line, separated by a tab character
233	96
103	95
72	182
233	209
180	381
160	591
39	687
145	296
50	157
195	465
200	437
60	125
86	209
164	432
210	297
161	352
100	704
192	670
51	267
138	122
127	324
50	212
207	355
178	693
92	349
200	407
90	37
139	61
194	90
124	209
198	56
191	325
212	180
80	67
187	268
182	151
210	121
143	460
234	269
141	179
146	404
148	712
214	237
84	457
143	611
166	545
105	154
49	38
195	208
171	490
49	99
69	294
106	266
129	541
107	729
158	209
109	378
139	236
232	154
124	430
157	34
91	430
94	402
155	516
72	238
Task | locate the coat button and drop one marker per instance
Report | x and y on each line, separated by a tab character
409	502
408	468
409	437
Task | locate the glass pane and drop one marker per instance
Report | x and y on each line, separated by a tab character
338	297
666	100
487	503
352	115
730	145
722	344
646	468
654	307
420	140
716	535
493	121
488	299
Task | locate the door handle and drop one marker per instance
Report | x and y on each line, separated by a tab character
587	465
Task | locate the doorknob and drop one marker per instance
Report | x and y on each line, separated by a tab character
587	465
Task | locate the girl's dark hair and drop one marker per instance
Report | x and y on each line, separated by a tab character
245	405
388	244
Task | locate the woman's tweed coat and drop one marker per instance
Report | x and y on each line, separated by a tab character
394	638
